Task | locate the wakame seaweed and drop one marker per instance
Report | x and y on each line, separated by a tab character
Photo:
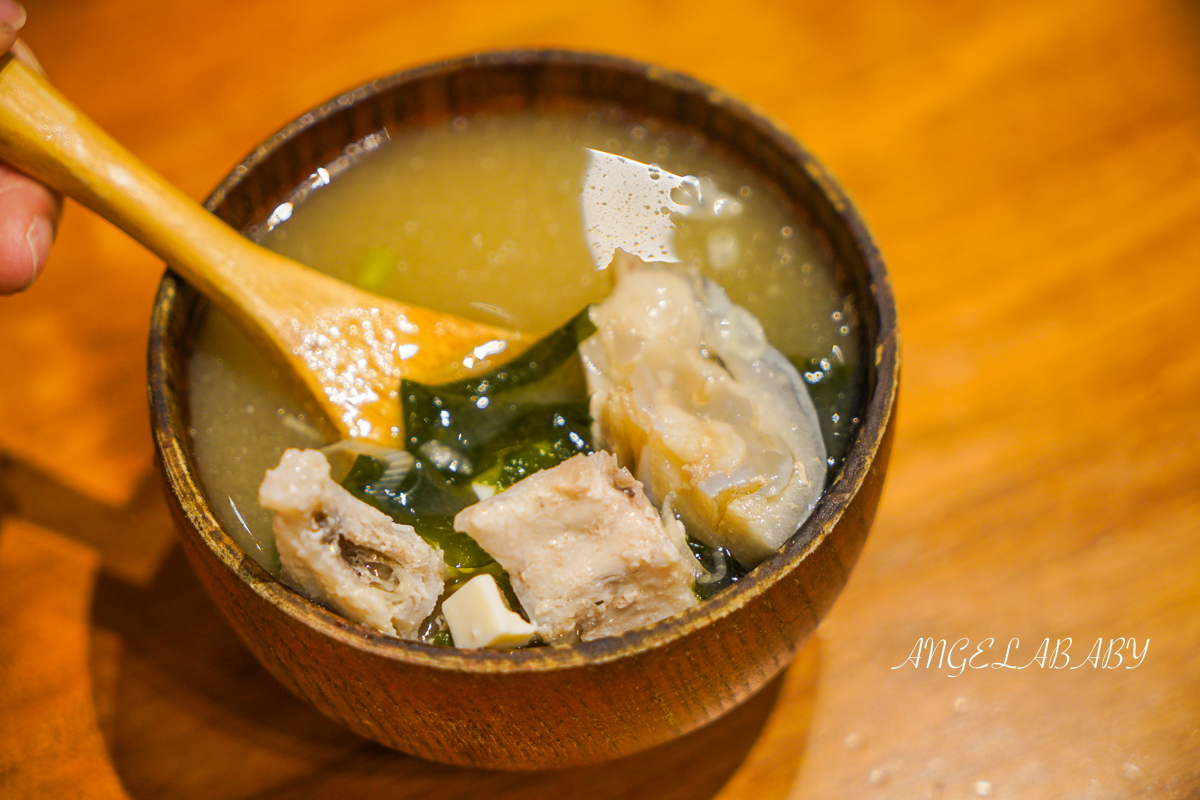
424	502
429	506
831	385
482	435
541	394
487	431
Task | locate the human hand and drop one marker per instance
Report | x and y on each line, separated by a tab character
28	210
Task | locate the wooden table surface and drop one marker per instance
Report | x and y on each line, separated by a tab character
1032	171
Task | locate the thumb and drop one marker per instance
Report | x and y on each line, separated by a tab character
28	210
12	19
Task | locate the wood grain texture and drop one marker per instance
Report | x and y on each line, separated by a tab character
46	583
1032	173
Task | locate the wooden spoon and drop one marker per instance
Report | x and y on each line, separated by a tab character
348	347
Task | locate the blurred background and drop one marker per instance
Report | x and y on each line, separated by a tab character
1031	169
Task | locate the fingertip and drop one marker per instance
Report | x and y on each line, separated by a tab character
16	278
24	251
21	266
28	217
12	20
12	16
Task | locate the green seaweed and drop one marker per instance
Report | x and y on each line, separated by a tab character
426	503
831	385
492	430
478	417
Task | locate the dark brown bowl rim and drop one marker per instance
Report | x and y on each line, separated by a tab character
180	470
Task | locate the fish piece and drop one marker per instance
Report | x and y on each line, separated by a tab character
690	396
585	551
337	550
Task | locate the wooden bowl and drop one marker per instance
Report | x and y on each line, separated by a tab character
551	706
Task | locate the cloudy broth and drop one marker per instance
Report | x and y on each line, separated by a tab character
480	216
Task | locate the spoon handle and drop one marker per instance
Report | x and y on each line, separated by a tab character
46	136
348	348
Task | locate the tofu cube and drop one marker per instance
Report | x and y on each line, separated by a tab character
478	617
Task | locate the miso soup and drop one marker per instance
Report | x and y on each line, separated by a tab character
480	216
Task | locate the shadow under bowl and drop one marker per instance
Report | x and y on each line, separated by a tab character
550	706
